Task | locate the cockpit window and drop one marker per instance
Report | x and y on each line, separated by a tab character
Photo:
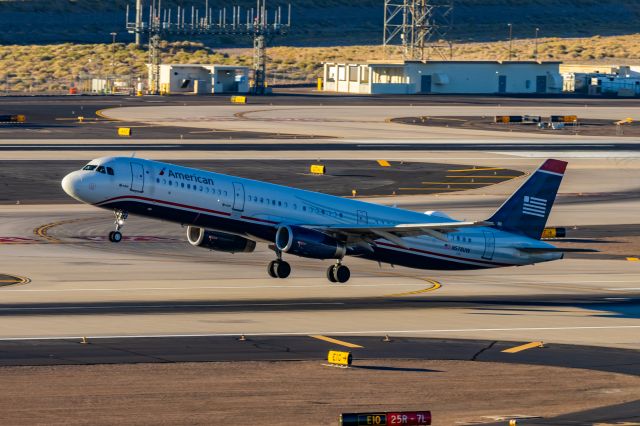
101	169
110	171
89	167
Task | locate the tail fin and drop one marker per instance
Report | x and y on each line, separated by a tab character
527	210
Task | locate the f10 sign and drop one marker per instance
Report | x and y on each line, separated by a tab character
386	419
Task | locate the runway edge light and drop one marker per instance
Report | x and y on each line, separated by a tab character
410	418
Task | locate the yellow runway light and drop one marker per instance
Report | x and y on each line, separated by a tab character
124	131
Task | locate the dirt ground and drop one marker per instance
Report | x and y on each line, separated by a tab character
298	393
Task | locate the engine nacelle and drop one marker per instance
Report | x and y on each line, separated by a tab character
308	243
219	241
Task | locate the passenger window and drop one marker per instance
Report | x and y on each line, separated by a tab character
110	171
279	203
262	200
157	180
170	183
225	193
304	208
188	186
101	169
273	202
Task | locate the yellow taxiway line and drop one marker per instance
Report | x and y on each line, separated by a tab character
434	286
524	347
336	341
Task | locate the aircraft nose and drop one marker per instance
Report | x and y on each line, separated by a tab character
70	184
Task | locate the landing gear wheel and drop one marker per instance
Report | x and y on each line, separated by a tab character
330	274
283	269
271	269
279	269
340	273
115	236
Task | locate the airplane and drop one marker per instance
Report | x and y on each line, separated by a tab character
230	214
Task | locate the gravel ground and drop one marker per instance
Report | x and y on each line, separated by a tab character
299	393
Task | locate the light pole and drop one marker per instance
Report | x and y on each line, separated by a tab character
510	40
113	60
535	50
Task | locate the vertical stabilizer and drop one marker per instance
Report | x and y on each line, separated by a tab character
527	210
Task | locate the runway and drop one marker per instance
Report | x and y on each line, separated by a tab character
155	299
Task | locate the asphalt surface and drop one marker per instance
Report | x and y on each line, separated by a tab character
39	181
328	146
584	127
56	117
277	348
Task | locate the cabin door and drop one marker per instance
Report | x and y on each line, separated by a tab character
238	196
137	177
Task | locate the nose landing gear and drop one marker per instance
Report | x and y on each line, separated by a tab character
279	268
121	217
338	273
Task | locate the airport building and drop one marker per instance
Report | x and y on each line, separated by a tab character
202	79
413	77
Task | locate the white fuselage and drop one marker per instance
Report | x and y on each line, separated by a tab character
256	209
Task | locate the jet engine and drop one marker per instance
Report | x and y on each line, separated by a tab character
308	243
219	241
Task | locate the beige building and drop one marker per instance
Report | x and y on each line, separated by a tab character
413	77
202	79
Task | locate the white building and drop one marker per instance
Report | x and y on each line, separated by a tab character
202	79
463	77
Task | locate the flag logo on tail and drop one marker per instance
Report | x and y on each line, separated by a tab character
534	206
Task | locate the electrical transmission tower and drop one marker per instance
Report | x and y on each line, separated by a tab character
421	27
259	23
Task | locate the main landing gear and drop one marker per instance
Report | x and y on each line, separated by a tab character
279	268
121	217
338	273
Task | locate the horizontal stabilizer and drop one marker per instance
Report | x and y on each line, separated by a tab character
556	250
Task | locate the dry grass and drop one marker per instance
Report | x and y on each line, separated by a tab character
53	67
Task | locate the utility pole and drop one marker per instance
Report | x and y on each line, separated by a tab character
113	60
535	49
138	21
420	26
510	40
259	23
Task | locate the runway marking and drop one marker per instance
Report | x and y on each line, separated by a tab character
624	288
434	286
63	290
18	240
433	189
524	347
458	183
221	305
478	169
42	230
335	333
335	341
384	163
481	176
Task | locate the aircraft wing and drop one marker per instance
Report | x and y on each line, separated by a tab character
395	232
